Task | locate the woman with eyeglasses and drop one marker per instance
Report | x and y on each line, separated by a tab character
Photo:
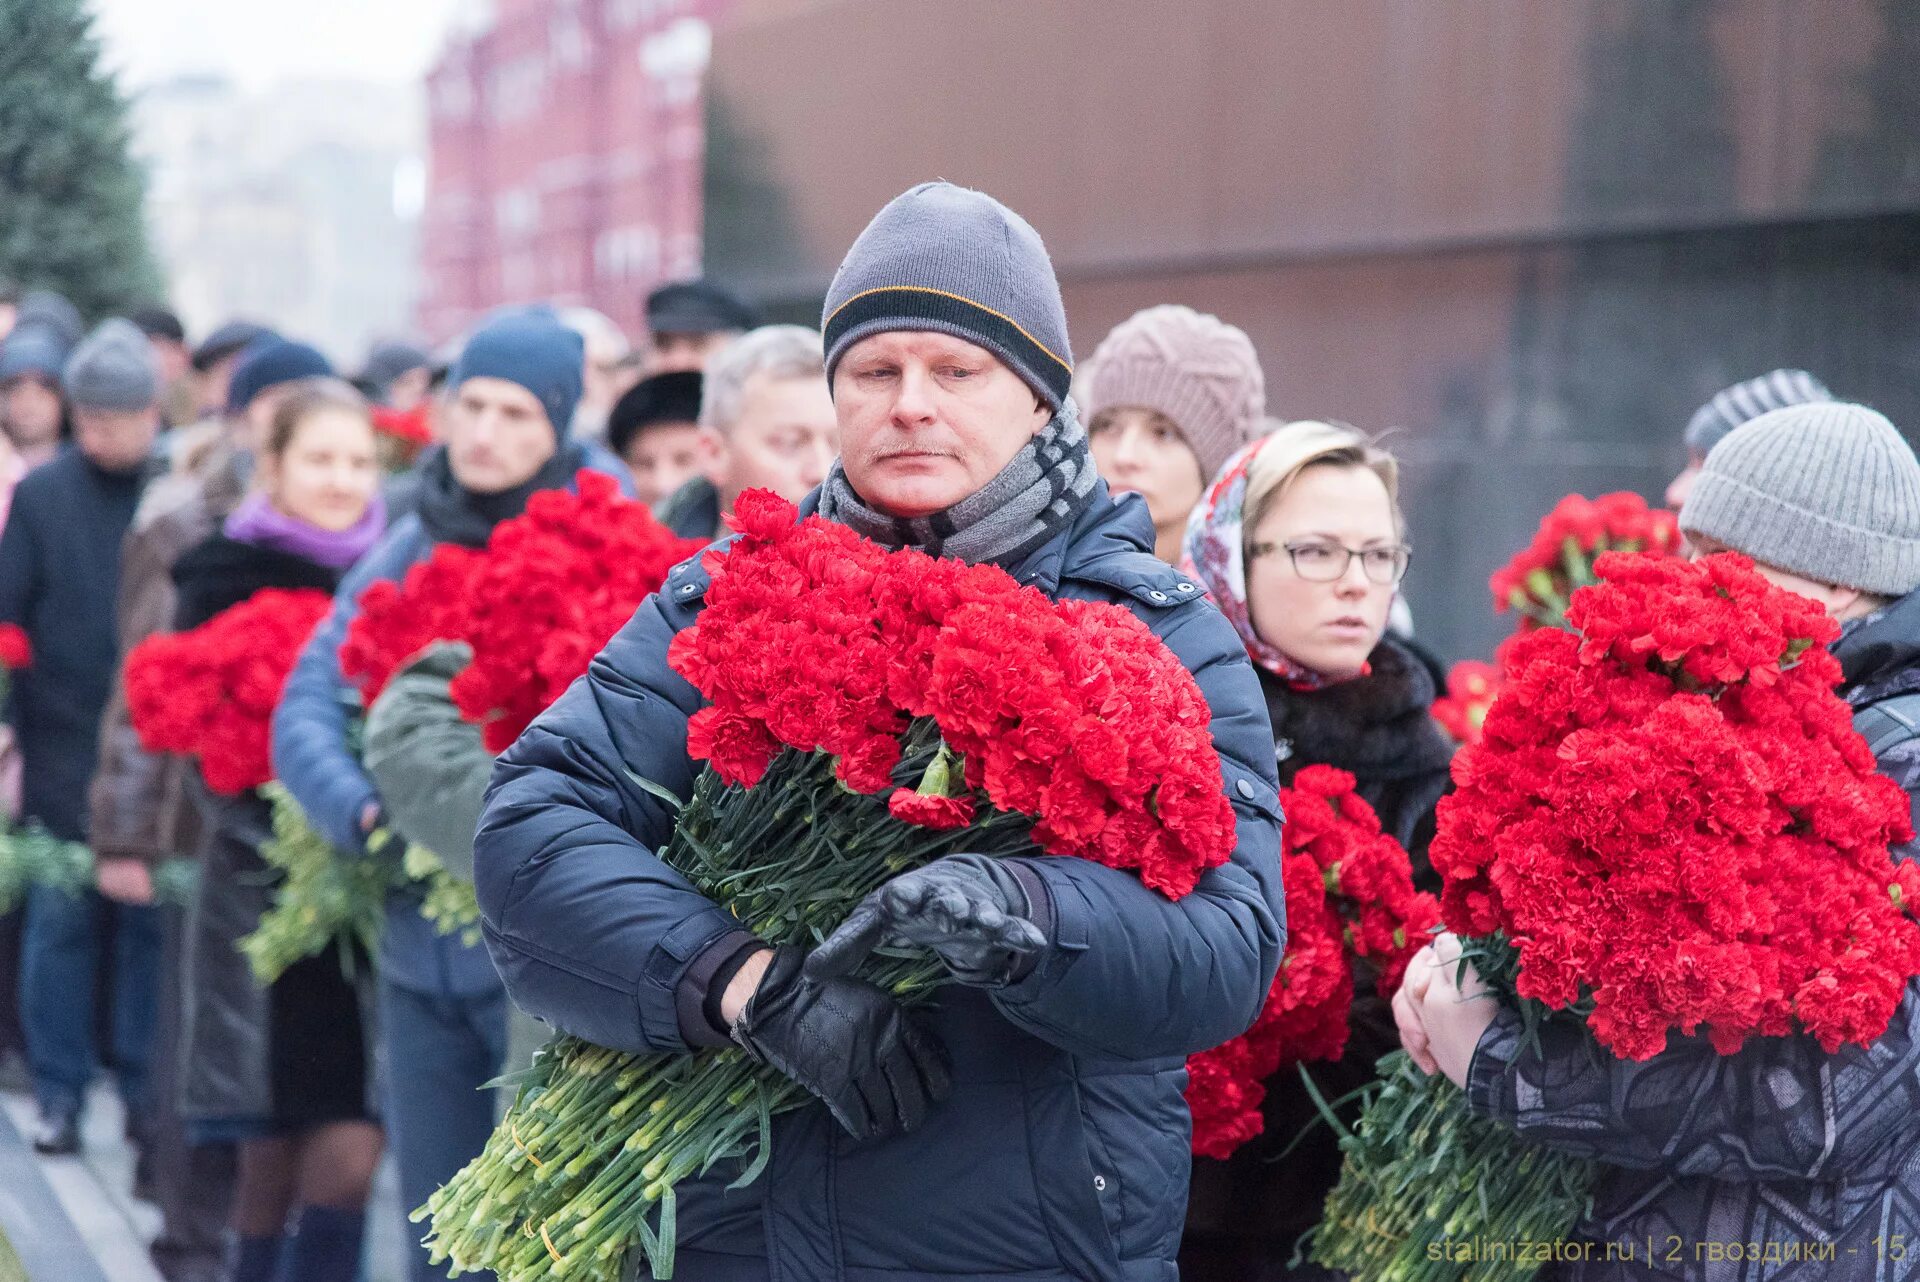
1301	544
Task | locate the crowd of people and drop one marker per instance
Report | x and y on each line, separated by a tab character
146	485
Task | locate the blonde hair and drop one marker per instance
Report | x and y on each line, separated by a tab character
1288	449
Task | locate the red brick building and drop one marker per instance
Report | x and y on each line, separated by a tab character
565	146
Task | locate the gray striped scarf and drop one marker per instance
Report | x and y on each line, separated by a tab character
1046	486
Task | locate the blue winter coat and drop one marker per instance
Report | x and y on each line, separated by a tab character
313	759
1063	1152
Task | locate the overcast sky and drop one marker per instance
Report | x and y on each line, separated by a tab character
259	43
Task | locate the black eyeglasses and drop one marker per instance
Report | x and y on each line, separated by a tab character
1327	562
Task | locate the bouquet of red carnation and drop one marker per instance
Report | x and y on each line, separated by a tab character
210	692
1539	581
869	711
1668	826
551	588
16	652
1472	687
1350	901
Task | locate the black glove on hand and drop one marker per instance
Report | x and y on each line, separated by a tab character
848	1044
969	909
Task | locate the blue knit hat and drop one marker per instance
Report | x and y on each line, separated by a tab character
269	362
33	348
955	261
534	350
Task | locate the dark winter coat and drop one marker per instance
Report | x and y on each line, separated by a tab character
1063	1151
312	755
1247	1212
1779	1146
239	1041
693	510
139	805
59	578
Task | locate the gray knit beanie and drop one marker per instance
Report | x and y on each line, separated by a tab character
954	261
1748	400
1829	491
113	369
1199	371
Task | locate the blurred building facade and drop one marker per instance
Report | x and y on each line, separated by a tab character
290	205
564	157
1526	240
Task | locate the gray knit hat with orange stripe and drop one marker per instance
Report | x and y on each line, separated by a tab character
954	261
1830	491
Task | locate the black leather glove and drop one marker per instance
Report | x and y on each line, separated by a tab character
971	910
848	1044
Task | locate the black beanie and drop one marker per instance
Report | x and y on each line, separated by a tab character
664	398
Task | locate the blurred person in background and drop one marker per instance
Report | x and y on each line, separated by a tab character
178	398
59	573
608	371
510	404
397	374
9	309
655	429
1733	407
32	413
140	807
1302	545
284	1072
766	422
214	361
1170	393
689	321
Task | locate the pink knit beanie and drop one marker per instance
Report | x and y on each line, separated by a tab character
1196	369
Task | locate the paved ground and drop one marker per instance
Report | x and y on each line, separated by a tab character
106	1221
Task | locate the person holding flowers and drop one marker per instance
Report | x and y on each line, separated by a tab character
283	1072
1302	544
1750	1164
443	1013
1027	1121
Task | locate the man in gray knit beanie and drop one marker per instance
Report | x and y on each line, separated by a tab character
947	357
1824	497
112	381
1733	406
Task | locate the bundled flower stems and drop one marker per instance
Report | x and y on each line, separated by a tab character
1669	826
31	856
868	712
1350	904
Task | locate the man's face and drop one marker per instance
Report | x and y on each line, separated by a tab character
784	441
30	411
663	458
116	440
927	419
606	373
1682	485
673	353
410	388
497	435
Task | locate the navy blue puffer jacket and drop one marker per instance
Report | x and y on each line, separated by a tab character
1063	1151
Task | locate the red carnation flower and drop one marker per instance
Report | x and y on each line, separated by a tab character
1350	897
16	650
210	692
1671	818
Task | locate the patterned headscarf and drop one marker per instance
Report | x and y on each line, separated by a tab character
1215	553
